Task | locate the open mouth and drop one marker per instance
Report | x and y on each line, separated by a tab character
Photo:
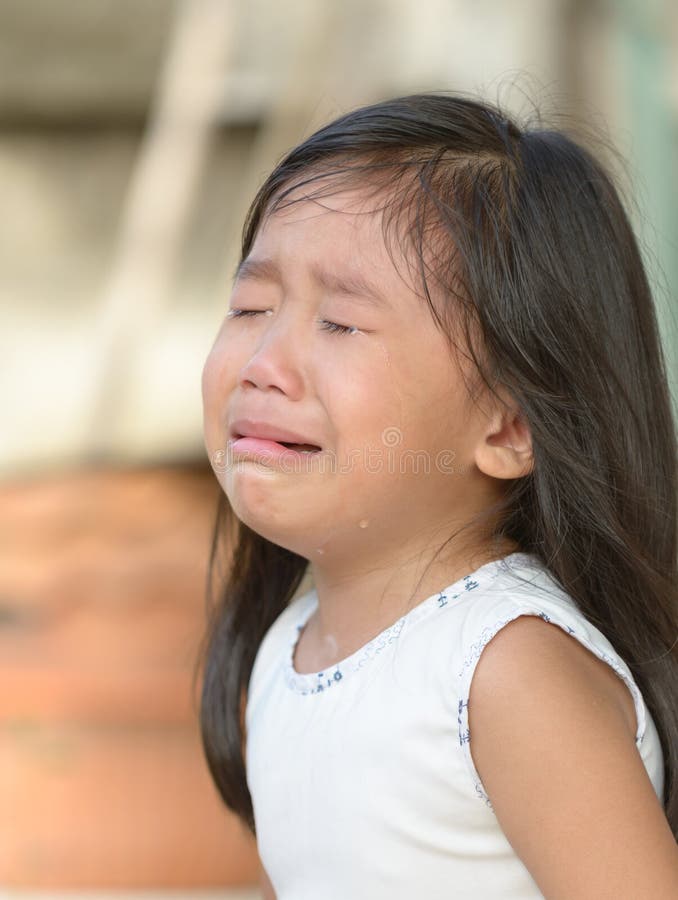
300	448
288	445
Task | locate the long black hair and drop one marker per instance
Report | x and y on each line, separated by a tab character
524	232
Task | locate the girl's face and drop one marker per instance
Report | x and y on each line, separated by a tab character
385	401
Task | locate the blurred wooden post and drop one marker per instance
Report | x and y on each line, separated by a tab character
299	98
156	209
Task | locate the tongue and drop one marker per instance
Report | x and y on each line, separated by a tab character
299	446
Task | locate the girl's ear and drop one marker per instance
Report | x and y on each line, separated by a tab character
504	449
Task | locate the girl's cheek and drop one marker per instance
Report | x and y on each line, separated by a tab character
217	375
225	358
208	378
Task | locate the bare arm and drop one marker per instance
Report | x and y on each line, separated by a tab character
558	760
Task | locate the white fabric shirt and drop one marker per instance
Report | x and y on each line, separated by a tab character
361	776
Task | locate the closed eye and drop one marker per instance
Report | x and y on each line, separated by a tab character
337	329
332	327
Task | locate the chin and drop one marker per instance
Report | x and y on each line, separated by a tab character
293	541
276	519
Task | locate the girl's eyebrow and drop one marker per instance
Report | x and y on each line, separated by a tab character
352	285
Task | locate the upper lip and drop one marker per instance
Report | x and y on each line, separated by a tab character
268	431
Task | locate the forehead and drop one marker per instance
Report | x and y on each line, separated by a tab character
342	222
337	233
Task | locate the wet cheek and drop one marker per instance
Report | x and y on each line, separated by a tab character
210	379
220	369
217	383
205	380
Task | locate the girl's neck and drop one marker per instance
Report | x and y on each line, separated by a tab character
358	605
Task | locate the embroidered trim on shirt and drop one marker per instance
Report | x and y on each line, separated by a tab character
319	682
316	683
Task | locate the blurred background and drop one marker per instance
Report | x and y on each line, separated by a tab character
133	135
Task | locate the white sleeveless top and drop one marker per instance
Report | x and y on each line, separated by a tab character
361	776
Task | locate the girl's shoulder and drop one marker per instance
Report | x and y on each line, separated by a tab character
521	585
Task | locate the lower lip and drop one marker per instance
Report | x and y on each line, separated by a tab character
269	450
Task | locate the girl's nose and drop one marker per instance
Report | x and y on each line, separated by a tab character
275	361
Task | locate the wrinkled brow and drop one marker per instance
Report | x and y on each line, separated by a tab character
353	284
